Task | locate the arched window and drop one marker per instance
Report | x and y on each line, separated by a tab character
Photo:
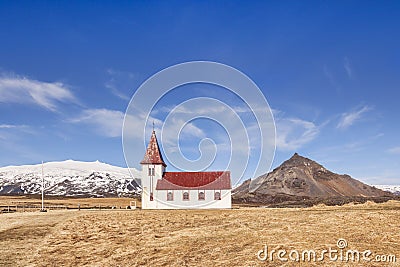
186	195
151	171
217	195
202	195
170	196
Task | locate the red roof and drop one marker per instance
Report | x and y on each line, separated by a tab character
195	180
153	154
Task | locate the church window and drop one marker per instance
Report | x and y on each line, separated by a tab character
151	171
186	195
170	196
202	195
217	195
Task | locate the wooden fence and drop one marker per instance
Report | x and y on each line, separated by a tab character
29	207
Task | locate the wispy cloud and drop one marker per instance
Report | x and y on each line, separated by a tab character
105	122
293	133
109	123
17	89
11	130
227	116
120	82
349	118
347	67
178	129
394	150
116	92
183	109
10	126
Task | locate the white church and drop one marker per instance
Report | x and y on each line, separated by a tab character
181	190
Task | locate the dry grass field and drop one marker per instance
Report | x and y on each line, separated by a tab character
195	237
71	203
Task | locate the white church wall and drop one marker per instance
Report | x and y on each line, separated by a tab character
161	202
148	186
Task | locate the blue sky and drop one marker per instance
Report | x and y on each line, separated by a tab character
329	70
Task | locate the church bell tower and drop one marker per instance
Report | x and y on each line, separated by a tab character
153	168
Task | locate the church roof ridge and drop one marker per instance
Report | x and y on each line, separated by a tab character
153	152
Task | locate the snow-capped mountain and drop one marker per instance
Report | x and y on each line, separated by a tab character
70	178
395	189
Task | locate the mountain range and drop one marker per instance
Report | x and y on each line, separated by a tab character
70	178
395	189
298	179
302	180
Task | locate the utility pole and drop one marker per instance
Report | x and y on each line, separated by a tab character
42	210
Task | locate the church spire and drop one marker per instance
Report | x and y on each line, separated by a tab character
153	153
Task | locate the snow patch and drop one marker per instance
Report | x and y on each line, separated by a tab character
72	178
395	189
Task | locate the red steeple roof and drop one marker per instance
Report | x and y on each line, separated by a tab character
153	154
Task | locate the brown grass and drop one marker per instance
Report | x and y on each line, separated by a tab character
194	237
71	203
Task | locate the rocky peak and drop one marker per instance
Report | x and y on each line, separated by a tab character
302	162
300	177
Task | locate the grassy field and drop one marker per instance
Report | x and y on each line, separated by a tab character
70	203
195	237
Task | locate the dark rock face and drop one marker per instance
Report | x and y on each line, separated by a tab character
11	190
299	179
94	185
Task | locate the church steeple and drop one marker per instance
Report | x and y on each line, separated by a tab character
153	153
